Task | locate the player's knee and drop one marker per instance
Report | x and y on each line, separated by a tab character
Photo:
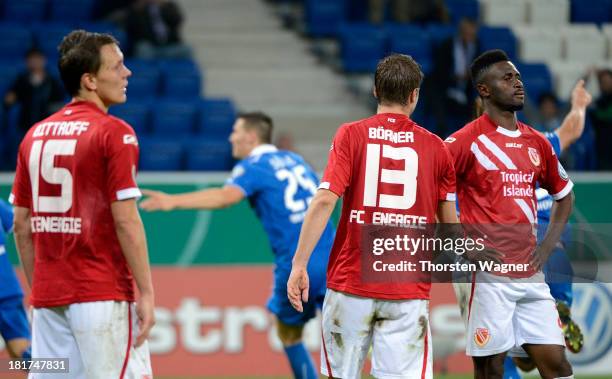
555	368
490	367
525	364
289	334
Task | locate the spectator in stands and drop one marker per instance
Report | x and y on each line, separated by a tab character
601	116
37	92
419	11
153	28
450	94
549	115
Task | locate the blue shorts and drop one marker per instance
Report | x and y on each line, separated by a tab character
13	320
279	303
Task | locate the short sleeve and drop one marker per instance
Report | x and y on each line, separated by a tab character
21	193
553	177
245	177
554	140
446	176
121	151
459	152
337	174
6	217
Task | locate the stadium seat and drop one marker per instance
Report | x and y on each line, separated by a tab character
24	10
15	42
536	78
212	155
597	11
135	113
8	72
48	37
173	118
184	85
584	42
548	12
606	29
324	17
503	12
144	83
107	27
413	41
160	155
217	117
71	10
565	75
440	32
539	43
499	37
459	9
362	46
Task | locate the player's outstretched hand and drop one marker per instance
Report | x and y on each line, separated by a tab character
581	98
145	310
156	201
297	287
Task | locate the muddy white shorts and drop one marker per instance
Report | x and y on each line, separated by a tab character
504	313
398	332
96	337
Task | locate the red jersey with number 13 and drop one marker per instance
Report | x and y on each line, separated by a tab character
71	167
389	170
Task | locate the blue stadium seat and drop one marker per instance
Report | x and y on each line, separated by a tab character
137	114
362	46
459	9
8	72
324	17
145	80
71	10
440	32
213	155
498	38
173	117
217	117
411	40
184	85
598	11
15	41
160	155
48	37
536	78
24	10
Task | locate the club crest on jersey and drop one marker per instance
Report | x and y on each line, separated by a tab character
482	336
129	139
534	156
450	139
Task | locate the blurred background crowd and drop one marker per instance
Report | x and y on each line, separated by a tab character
309	63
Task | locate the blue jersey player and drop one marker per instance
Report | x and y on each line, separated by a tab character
14	326
558	270
279	186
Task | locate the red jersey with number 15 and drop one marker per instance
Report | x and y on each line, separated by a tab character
71	167
389	171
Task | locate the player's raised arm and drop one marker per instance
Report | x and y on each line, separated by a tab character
131	236
315	221
573	125
212	198
23	240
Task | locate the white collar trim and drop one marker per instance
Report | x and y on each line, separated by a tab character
509	133
263	149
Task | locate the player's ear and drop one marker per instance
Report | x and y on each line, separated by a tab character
483	90
374	92
89	81
414	96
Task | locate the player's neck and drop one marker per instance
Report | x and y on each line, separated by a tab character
505	119
395	108
92	98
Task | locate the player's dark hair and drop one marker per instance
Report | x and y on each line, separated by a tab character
396	77
79	53
548	96
34	51
260	122
484	61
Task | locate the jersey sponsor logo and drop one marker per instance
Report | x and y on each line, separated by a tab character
482	336
51	224
450	140
130	139
534	156
514	145
562	172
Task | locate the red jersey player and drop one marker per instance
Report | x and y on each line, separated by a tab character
77	227
498	161
389	170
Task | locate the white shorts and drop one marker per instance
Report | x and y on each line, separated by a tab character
397	330
96	337
504	313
